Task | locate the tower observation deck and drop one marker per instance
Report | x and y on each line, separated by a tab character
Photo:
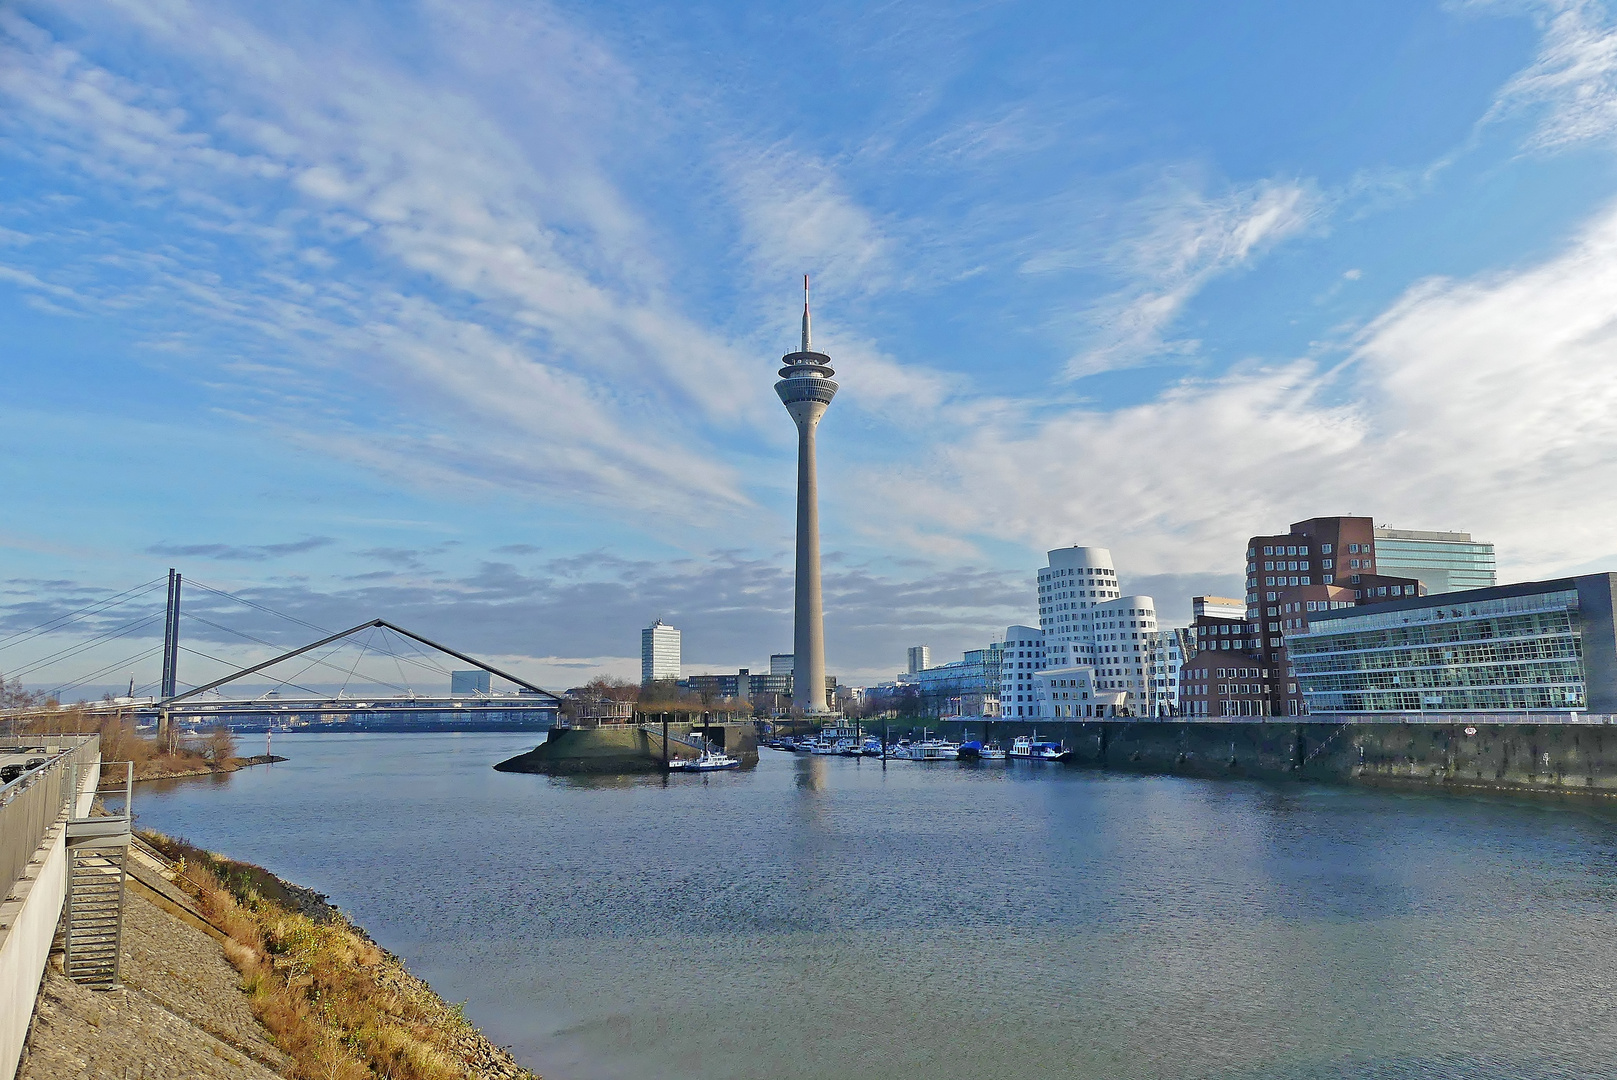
806	388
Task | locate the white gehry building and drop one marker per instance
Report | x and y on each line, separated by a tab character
1103	652
1022	659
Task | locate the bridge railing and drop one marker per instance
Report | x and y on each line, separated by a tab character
36	800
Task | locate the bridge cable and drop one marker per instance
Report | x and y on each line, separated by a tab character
105	605
142	655
272	645
74	650
363	649
313	626
227	663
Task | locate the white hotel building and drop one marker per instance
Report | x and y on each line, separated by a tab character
1096	652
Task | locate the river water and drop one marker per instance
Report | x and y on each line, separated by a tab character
827	917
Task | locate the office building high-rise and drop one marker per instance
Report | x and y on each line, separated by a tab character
659	652
1440	561
468	683
1322	564
920	658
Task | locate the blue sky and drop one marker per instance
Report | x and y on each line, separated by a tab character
467	314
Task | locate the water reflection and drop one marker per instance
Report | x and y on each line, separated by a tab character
945	922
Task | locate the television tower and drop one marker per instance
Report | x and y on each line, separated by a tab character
806	389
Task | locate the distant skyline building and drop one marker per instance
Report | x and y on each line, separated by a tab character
468	683
806	389
1441	561
659	652
920	658
1217	607
968	687
780	663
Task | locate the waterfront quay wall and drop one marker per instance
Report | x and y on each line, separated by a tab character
630	748
1564	755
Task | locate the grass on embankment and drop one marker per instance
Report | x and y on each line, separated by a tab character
340	1007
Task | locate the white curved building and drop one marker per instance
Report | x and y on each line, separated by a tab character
1101	647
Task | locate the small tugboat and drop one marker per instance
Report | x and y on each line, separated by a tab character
710	761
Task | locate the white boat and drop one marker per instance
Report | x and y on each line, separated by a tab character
823	745
935	750
1049	752
710	761
871	747
1022	747
991	752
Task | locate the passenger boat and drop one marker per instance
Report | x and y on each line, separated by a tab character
710	761
1022	746
934	750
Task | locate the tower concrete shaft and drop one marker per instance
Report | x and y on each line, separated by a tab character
806	389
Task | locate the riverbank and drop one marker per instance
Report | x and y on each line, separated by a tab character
165	769
229	971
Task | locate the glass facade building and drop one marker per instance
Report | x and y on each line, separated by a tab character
659	652
1538	646
1442	561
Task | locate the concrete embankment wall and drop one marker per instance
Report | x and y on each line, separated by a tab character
28	919
627	749
1514	757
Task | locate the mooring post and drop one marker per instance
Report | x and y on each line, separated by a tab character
665	737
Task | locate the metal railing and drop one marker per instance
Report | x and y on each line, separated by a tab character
39	798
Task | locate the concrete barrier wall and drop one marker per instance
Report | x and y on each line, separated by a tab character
28	926
1516	757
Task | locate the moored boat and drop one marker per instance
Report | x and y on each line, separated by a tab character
991	751
709	761
934	750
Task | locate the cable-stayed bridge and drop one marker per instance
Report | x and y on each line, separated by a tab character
375	674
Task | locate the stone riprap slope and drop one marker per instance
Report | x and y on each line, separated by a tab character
181	1013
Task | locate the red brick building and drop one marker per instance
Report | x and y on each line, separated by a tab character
1320	565
1227	675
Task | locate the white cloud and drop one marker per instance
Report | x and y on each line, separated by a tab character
1487	405
1573	77
570	345
1175	242
797	216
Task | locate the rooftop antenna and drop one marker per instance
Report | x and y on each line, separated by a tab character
806	341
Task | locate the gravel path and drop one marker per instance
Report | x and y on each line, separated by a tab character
181	1014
